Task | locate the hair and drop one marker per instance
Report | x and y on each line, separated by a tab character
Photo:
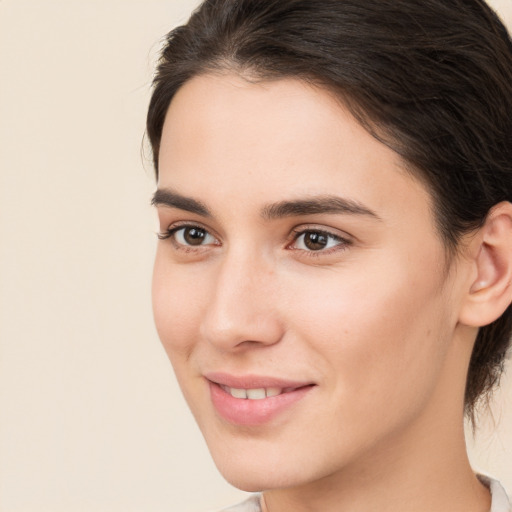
431	79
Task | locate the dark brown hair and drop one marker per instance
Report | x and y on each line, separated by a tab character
432	79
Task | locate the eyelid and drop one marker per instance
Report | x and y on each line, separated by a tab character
344	240
168	234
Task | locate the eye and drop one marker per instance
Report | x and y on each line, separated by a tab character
317	240
189	236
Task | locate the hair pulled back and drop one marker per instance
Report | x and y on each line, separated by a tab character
432	79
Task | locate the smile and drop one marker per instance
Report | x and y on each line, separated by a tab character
253	394
254	401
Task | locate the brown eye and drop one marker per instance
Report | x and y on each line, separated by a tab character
315	241
193	236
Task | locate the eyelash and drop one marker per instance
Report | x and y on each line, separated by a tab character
170	234
341	243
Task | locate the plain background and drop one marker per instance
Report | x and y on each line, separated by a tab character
90	416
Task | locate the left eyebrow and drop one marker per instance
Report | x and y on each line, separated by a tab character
316	205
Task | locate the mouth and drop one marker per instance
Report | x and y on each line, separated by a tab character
252	400
257	393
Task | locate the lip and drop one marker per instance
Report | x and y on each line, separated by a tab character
253	381
246	412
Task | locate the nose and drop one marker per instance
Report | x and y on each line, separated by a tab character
242	309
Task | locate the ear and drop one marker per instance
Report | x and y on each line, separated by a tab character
490	292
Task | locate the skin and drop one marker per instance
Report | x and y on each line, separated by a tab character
382	322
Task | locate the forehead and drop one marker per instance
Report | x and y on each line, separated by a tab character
272	140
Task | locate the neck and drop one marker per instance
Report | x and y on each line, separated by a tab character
443	482
422	468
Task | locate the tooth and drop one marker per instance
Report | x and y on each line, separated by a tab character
238	393
256	394
273	391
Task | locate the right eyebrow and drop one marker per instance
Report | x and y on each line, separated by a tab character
171	199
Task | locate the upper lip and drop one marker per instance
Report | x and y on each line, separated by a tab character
251	381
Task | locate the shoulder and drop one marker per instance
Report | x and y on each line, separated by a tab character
251	504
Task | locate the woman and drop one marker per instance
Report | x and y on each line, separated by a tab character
333	278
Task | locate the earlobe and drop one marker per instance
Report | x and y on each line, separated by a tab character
490	292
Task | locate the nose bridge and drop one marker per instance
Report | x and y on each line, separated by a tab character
241	306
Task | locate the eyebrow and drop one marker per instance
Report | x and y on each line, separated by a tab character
315	205
167	197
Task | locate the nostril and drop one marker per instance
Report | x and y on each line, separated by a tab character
243	330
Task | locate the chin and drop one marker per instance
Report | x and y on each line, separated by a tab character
247	472
266	468
249	478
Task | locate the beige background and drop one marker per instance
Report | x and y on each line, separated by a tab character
90	416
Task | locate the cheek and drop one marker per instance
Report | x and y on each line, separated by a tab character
176	306
376	330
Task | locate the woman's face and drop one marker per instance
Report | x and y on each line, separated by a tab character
300	288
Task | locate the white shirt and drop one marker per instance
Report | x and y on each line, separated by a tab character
500	501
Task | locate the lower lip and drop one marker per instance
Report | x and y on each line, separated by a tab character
246	412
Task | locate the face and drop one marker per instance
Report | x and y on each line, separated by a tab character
300	287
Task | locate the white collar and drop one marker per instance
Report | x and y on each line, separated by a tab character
500	501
